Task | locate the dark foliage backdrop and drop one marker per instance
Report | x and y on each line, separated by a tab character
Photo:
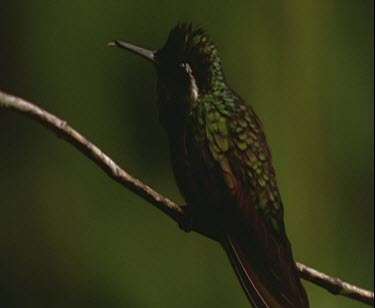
70	237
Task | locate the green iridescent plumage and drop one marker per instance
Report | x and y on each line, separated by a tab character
232	131
223	166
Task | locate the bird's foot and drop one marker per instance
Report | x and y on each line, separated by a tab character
196	221
187	223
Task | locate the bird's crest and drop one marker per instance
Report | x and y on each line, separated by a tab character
186	44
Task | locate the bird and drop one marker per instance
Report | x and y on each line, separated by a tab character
222	164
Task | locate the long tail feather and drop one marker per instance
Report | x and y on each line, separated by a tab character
258	291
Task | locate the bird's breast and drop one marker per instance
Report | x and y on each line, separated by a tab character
199	181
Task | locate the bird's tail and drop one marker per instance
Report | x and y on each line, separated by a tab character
263	287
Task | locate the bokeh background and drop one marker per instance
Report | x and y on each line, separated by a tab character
71	237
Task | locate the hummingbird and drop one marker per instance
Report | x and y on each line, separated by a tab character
223	165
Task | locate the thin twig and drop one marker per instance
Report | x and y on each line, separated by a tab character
177	213
63	130
335	285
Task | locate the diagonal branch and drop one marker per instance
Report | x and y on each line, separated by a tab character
335	285
177	213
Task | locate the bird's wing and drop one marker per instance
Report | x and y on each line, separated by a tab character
255	239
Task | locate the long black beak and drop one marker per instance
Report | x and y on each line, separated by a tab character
148	54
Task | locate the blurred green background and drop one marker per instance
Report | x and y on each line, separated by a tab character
71	237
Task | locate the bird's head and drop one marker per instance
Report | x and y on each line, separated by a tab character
188	66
